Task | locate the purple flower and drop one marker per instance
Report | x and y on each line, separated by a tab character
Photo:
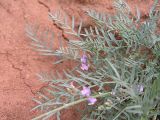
84	63
84	59
140	88
86	91
91	100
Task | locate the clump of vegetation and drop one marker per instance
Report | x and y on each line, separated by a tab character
117	76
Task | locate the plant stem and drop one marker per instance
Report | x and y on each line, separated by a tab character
68	105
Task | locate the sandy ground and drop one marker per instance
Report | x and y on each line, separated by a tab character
19	63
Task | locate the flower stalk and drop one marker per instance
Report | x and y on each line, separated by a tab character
69	105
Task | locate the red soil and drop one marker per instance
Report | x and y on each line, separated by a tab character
19	63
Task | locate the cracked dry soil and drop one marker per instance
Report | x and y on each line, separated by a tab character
19	63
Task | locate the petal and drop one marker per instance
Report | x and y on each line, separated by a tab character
91	101
140	88
84	66
72	85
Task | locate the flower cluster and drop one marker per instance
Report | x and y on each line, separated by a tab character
86	92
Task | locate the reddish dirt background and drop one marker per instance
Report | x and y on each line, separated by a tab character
19	63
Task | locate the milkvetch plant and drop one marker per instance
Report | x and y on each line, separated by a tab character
118	66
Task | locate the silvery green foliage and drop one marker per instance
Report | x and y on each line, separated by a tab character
124	56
